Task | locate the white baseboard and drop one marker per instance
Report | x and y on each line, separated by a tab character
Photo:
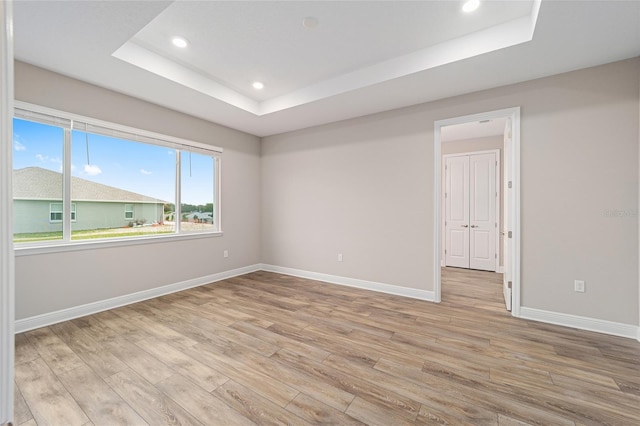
353	282
44	320
567	320
499	269
582	323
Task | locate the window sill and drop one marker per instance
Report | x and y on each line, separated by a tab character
59	246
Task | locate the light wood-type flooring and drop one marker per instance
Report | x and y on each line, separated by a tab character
271	349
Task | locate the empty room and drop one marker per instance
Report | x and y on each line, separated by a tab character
314	212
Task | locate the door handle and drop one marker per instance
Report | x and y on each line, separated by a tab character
474	226
465	226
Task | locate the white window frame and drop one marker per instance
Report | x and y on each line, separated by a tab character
70	122
132	211
52	212
61	204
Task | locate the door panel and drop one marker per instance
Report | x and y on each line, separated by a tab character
457	212
482	220
480	243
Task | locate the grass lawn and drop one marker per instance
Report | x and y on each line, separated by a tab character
93	234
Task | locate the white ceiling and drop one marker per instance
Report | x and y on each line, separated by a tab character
363	57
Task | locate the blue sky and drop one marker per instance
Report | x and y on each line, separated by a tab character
141	168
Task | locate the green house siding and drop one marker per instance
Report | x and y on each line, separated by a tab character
102	215
34	215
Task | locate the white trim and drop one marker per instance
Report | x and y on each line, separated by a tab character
500	269
514	114
7	283
582	323
437	214
58	246
353	282
44	320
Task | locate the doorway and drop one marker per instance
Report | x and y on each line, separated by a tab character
508	231
471	206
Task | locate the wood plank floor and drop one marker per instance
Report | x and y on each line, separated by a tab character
272	349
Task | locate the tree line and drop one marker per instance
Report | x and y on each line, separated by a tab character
189	208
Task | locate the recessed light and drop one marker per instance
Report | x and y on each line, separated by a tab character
310	22
258	85
470	5
180	42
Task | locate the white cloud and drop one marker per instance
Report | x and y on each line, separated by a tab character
145	172
18	146
47	159
92	170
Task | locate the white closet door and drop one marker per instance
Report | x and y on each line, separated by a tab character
470	211
457	212
482	214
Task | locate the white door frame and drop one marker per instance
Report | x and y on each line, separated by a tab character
498	187
514	159
7	304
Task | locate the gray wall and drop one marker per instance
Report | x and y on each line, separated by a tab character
44	283
364	187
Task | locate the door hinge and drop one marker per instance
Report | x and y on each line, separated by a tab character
510	234
509	284
445	195
496	224
495	255
509	184
445	251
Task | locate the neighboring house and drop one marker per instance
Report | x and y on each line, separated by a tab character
37	203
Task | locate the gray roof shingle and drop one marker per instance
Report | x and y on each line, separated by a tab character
35	183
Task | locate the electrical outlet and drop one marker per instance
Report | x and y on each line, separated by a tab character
225	253
578	286
339	257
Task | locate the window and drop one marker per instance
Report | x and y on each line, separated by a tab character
165	186
114	173
38	152
197	190
128	211
55	212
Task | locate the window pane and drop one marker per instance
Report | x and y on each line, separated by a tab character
128	211
55	212
37	181
197	192
121	188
